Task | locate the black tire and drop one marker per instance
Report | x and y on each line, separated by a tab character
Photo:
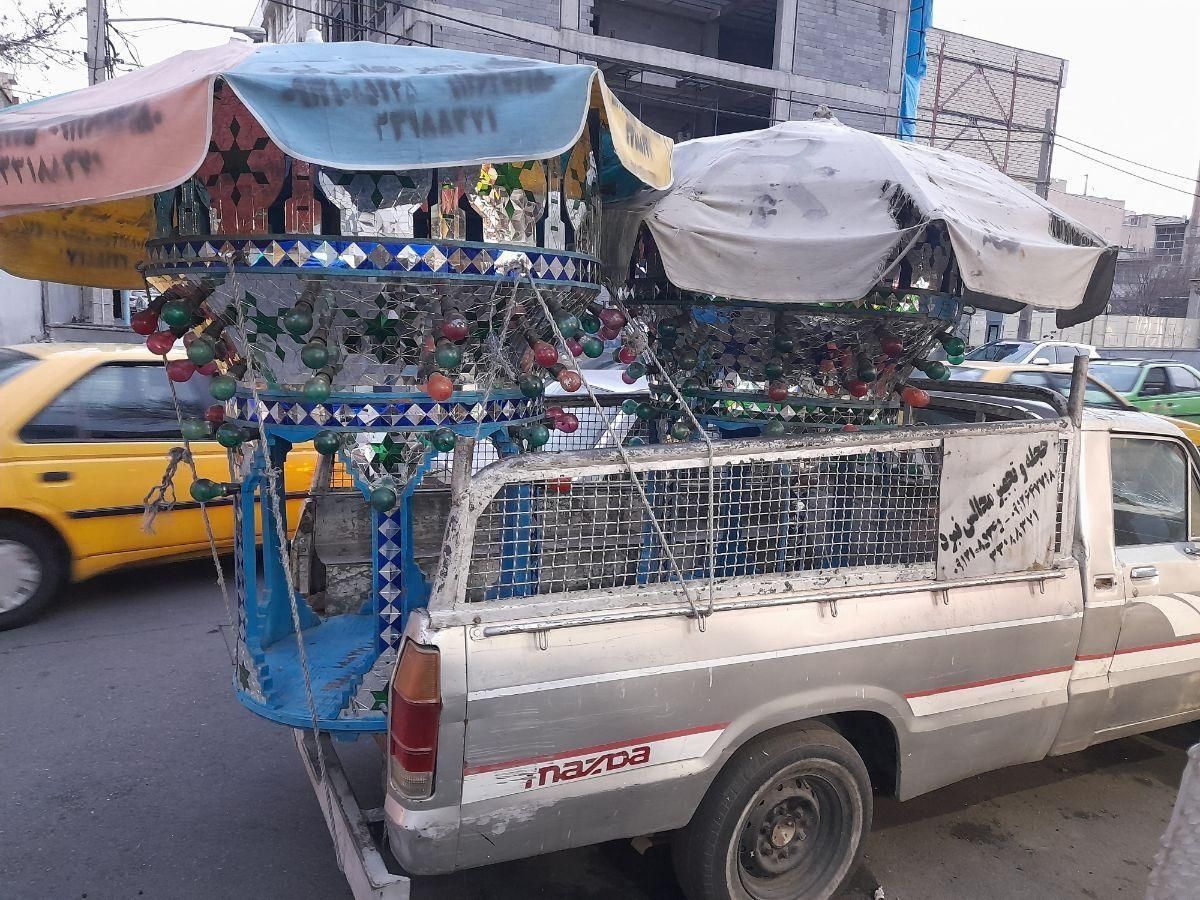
802	843
37	549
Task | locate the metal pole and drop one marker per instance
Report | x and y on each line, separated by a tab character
97	41
1078	387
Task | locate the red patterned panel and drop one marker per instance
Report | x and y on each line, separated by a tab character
301	212
243	170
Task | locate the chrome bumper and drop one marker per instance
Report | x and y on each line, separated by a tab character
358	855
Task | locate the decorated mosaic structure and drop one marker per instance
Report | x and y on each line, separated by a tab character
742	366
384	317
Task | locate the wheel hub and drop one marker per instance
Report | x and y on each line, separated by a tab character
777	829
20	574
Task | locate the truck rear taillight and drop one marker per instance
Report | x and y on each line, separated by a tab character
413	718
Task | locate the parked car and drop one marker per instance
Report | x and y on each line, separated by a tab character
1038	353
1058	379
1038	608
1161	386
85	435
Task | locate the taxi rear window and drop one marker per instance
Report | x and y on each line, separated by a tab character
13	362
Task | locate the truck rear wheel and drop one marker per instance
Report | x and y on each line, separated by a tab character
786	819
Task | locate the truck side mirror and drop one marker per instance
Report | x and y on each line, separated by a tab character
1040	361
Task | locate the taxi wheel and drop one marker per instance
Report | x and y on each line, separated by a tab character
31	570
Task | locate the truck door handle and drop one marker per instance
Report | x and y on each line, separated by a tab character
56	477
1142	572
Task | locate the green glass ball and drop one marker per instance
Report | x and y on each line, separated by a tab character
593	347
668	330
383	498
667	342
531	386
203	350
681	431
229	436
327	442
691	386
784	343
936	370
629	407
317	389
222	387
589	323
688	359
645	411
447	356
635	370
955	346
195	430
537	435
444	440
773	429
176	314
773	369
315	355
867	373
204	490
568	324
298	321
636	441
955	360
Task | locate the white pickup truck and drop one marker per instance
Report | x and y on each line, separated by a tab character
883	612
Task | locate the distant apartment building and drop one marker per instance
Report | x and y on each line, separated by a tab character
688	68
992	102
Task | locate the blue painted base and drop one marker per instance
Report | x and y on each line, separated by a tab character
340	651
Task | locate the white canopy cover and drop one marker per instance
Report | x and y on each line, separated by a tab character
807	212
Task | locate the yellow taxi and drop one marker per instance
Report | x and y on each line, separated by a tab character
84	435
1057	378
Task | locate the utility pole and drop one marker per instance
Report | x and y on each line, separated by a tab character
97	41
1042	189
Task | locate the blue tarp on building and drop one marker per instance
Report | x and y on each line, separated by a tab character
920	19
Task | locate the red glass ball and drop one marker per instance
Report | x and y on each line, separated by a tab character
144	322
208	370
215	414
857	388
777	391
439	387
544	354
613	318
849	427
567	423
190	338
891	346
915	397
827	365
570	381
180	369
575	347
627	354
160	343
455	329
627	378
554	411
609	334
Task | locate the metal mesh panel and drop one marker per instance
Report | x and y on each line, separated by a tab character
861	510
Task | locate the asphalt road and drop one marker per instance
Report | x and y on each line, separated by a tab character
127	770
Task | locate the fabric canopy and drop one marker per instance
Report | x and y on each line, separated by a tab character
806	212
352	106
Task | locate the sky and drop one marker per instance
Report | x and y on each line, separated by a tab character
1132	89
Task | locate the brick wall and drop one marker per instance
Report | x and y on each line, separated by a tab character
457	37
846	41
